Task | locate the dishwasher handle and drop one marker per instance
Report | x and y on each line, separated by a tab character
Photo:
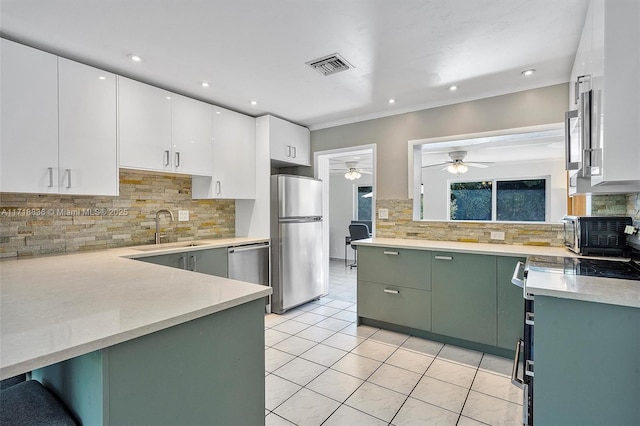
240	249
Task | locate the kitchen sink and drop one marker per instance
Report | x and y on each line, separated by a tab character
167	246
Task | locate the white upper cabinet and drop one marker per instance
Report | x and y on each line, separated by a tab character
144	125
616	54
191	135
163	131
58	125
289	143
29	119
233	162
87	130
609	57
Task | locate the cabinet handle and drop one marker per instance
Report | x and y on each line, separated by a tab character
516	363
387	290
528	368
50	177
288	150
528	318
184	261
193	258
177	159
294	151
391	253
218	187
443	258
166	158
68	178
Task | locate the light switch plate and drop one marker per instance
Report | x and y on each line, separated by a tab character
497	235
383	213
183	215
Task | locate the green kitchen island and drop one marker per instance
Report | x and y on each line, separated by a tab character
126	342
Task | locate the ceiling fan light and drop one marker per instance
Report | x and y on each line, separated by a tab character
352	175
457	168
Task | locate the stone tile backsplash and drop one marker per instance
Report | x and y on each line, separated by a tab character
33	224
401	225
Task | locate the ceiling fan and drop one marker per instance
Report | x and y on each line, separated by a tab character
352	170
457	165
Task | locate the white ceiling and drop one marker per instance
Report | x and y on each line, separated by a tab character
410	50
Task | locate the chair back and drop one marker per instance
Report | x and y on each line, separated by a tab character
358	231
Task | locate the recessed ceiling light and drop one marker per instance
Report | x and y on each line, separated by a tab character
135	58
392	101
102	77
218	112
254	103
528	72
168	97
204	84
453	88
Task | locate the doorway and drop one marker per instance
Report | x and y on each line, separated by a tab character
349	182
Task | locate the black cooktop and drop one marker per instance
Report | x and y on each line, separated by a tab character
604	268
627	270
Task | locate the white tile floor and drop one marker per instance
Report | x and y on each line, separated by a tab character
322	369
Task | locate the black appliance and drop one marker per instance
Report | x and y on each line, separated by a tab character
597	235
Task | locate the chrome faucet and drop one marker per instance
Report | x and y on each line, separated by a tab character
158	235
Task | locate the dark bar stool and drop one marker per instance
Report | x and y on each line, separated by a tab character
31	404
357	231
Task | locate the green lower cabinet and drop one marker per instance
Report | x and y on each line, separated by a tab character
464	302
208	371
208	261
586	363
510	304
396	305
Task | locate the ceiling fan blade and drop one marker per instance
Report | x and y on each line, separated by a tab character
439	164
478	165
365	172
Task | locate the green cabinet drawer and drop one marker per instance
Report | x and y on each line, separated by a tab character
464	296
510	304
396	305
401	267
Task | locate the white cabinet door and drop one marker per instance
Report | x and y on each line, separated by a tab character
191	135
234	155
29	119
87	130
301	142
289	142
144	126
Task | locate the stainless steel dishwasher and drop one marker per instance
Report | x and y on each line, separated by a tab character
250	263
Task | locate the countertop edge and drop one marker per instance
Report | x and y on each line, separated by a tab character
510	250
88	347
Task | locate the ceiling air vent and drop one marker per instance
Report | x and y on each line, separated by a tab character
330	64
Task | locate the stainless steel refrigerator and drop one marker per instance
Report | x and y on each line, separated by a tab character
296	241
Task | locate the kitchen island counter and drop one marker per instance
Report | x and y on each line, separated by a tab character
591	289
59	307
464	247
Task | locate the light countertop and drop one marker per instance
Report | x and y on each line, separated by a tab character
58	307
577	287
588	289
476	248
